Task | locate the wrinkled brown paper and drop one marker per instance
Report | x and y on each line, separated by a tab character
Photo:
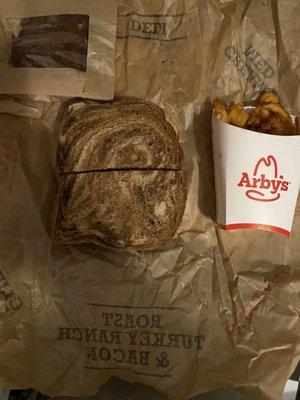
98	79
211	309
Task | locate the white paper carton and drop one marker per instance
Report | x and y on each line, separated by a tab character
257	178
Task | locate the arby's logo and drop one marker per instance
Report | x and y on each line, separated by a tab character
265	183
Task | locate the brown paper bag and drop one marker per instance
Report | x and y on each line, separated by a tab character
62	48
211	309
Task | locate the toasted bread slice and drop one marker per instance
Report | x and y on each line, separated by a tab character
124	134
121	209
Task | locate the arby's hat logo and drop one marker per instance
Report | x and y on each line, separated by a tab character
265	183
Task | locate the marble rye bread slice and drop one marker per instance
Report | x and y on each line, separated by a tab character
121	209
121	178
123	134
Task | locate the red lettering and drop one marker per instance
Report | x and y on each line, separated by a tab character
244	180
275	186
255	182
267	188
285	186
265	183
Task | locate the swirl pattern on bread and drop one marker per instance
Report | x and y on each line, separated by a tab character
121	134
121	178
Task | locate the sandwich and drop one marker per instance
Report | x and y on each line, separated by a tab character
121	178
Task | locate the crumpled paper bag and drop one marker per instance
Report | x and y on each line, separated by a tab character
211	309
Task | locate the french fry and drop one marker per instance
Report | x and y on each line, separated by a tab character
238	116
220	111
268	97
263	112
269	116
254	119
277	109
